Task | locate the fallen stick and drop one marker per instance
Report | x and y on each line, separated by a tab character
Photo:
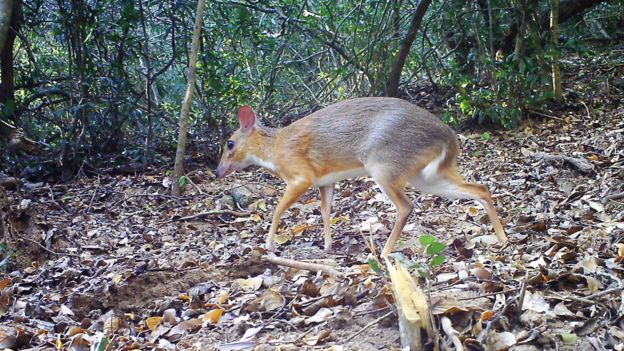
313	267
579	163
613	197
208	213
447	326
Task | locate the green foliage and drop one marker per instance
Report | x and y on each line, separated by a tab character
82	82
486	136
102	345
509	88
183	182
434	251
376	267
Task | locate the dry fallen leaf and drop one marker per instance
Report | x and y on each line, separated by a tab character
561	309
250	284
214	316
473	211
153	322
299	229
589	264
271	300
282	239
223	296
5	282
186	326
323	314
535	302
169	316
501	341
487	315
315	339
593	284
337	220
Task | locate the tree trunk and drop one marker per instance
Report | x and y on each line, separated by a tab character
392	87
10	22
554	33
147	148
178	168
6	10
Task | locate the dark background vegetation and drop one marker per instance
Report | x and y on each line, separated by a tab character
98	83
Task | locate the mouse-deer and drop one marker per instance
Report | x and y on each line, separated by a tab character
391	140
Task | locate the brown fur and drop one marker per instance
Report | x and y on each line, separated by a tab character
391	139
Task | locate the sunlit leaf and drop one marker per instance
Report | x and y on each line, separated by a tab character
436	248
214	316
152	322
438	260
569	338
425	240
375	266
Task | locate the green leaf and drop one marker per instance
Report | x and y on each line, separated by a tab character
438	260
436	248
415	265
183	182
425	240
103	344
486	136
375	266
465	106
569	338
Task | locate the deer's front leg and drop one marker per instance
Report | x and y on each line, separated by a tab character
294	190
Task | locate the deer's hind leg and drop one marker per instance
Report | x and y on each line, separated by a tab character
393	186
447	182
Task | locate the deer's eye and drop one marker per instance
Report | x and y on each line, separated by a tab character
230	144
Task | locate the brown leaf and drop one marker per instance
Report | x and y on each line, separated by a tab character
309	288
214	316
153	322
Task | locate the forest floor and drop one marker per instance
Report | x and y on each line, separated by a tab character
114	260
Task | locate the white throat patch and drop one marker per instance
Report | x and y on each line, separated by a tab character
262	163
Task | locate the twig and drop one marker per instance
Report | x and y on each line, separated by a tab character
195	185
613	197
545	115
605	292
308	266
363	313
486	295
208	213
484	337
48	250
365	328
447	326
94	193
54	201
523	287
586	108
579	163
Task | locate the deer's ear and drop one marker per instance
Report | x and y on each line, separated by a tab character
247	118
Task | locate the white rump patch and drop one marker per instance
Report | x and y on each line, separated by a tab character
430	172
440	187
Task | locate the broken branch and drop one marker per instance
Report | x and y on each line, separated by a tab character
308	266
